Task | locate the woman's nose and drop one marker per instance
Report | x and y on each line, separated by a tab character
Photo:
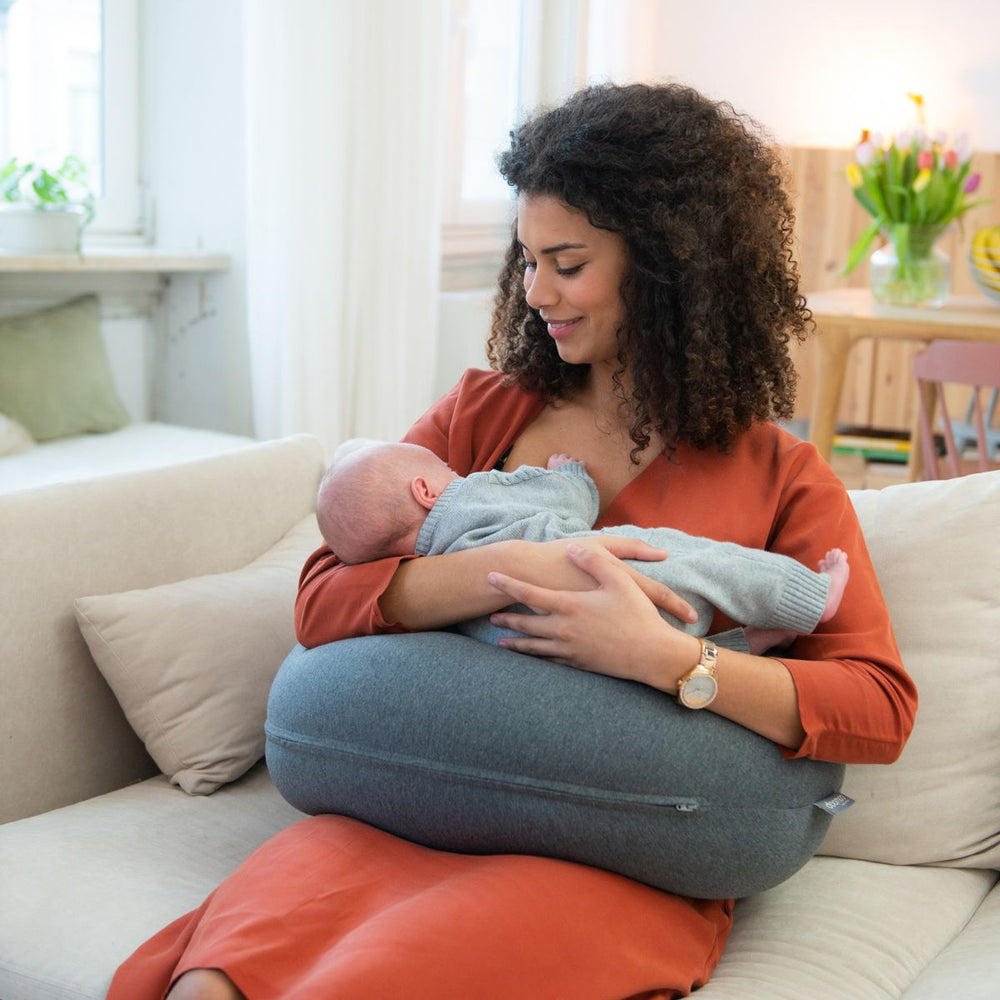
539	289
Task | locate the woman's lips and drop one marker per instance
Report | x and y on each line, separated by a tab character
559	328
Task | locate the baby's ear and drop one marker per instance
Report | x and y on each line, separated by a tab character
423	492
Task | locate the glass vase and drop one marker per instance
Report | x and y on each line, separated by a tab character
911	269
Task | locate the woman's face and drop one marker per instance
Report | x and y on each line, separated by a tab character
572	277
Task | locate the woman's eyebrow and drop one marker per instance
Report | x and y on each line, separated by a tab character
559	247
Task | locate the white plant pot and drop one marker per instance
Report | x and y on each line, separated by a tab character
32	230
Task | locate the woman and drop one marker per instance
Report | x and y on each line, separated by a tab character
642	324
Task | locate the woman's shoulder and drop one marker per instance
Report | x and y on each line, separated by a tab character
478	382
482	398
786	471
768	445
472	424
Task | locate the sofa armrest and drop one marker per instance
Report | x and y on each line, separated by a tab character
63	735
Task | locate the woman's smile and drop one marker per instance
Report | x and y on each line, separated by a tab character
559	328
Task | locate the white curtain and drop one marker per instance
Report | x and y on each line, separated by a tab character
345	104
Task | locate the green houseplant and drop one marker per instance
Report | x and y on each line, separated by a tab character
43	191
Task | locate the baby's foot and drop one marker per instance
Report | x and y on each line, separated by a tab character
561	459
834	564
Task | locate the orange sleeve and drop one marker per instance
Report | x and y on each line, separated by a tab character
856	701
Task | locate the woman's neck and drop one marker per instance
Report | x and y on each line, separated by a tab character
607	397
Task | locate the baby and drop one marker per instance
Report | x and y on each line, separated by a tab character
383	500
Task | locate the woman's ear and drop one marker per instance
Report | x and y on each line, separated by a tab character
423	492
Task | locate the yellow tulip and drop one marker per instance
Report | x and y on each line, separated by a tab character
854	175
918	100
922	180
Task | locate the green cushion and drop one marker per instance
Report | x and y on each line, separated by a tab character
54	373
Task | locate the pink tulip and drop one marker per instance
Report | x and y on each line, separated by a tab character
865	153
971	183
925	160
951	159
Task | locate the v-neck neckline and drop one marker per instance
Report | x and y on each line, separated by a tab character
605	518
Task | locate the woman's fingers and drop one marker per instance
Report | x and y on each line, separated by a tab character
628	548
593	628
539	599
592	563
663	597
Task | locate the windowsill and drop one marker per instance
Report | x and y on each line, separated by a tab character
471	255
137	260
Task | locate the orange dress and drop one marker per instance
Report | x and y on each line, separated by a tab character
331	907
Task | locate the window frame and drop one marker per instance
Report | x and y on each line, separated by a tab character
552	59
472	232
120	216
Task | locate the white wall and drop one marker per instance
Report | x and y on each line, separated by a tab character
191	68
815	72
463	327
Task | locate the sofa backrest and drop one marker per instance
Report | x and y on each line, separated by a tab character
936	549
63	737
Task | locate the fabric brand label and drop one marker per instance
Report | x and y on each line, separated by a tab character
835	803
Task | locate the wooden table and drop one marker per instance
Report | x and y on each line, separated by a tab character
846	315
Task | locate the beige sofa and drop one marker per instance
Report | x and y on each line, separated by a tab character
165	595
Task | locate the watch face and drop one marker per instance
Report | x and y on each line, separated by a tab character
699	691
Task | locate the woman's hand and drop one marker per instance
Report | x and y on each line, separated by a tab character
615	629
612	628
626	548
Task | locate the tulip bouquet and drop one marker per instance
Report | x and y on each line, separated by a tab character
916	179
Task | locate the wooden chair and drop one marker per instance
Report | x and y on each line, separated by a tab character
975	366
965	430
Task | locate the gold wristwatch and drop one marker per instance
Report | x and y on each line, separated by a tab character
699	686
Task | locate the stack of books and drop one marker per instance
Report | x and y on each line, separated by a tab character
872	444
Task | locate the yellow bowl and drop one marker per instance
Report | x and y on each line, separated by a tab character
985	273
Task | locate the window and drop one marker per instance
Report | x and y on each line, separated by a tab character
497	73
485	93
68	84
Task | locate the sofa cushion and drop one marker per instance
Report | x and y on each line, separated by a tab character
64	735
935	546
191	662
84	886
972	959
846	930
55	377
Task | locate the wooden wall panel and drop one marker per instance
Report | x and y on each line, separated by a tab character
879	390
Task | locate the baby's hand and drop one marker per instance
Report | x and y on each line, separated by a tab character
556	460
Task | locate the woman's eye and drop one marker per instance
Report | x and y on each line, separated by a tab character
563	272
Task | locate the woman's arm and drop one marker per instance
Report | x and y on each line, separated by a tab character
437	591
403	594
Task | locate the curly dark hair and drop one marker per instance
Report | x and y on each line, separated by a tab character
711	288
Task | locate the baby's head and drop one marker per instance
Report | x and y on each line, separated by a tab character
375	497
